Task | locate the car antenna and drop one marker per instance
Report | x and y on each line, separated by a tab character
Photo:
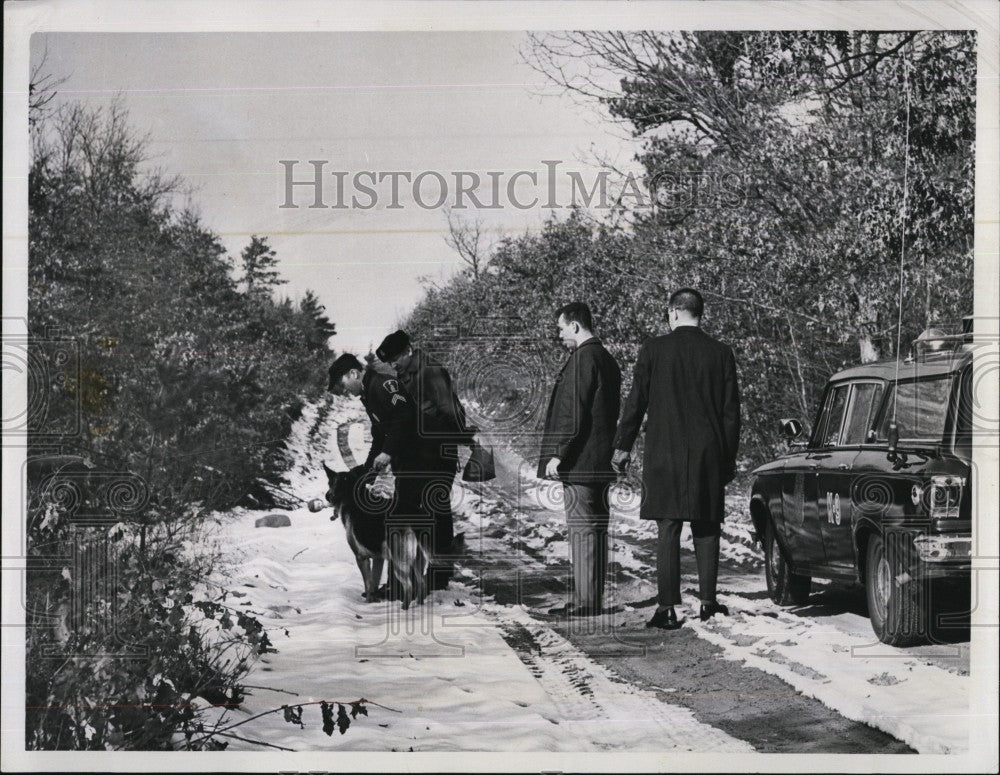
893	433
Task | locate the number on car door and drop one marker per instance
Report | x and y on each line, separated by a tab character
837	476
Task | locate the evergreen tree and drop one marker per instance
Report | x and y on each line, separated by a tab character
320	327
259	260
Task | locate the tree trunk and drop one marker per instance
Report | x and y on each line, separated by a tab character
868	350
868	323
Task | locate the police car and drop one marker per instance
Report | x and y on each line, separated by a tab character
879	492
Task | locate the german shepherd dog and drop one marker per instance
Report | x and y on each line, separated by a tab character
364	512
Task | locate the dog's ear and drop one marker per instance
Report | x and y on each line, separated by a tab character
334	478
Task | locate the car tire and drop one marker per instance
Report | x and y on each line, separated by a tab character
897	612
784	587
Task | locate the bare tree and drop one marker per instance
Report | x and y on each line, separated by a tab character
467	239
97	149
41	90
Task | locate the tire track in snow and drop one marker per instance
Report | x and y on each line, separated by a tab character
895	690
586	693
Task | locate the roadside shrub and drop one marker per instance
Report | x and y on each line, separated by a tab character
169	388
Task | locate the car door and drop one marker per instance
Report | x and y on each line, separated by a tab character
799	525
803	532
836	475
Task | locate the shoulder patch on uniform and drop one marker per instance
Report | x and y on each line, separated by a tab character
392	387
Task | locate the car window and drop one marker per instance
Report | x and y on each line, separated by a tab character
921	412
834	416
864	403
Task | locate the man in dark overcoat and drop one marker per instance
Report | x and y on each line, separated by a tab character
576	449
686	382
441	427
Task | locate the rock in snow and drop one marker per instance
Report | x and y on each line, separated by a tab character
274	520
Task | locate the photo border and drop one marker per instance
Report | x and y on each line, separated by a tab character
23	19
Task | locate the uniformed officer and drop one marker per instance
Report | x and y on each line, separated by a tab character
441	427
394	442
389	408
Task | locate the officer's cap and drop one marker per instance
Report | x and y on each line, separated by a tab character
392	346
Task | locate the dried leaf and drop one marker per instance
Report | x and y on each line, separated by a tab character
343	722
327	712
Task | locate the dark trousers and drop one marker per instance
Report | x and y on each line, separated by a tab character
438	503
668	559
587	519
427	495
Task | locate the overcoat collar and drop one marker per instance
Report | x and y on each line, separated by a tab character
416	361
585	343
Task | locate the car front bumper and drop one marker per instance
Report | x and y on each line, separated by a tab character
942	557
944	548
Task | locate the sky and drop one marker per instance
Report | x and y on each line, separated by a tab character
223	110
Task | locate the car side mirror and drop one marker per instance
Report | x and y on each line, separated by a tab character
791	429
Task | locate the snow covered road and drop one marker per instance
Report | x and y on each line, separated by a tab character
447	669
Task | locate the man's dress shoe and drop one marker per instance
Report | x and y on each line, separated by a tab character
664	620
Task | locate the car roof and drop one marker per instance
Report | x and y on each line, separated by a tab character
930	365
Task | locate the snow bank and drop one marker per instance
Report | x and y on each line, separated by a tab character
841	664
